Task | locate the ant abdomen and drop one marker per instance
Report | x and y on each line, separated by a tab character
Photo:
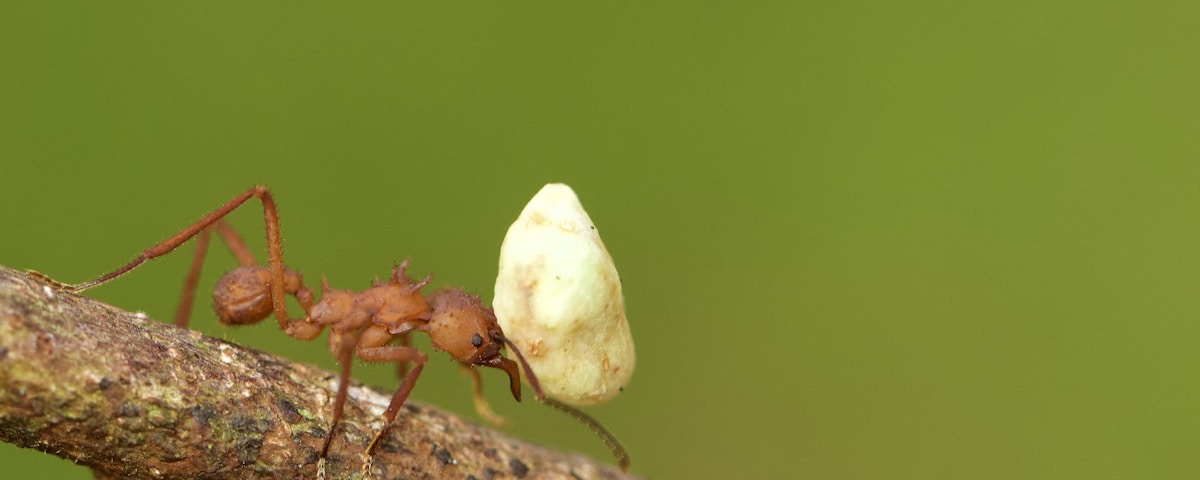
243	295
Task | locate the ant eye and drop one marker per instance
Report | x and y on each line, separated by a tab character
558	299
476	340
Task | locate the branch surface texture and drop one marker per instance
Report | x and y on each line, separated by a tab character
132	397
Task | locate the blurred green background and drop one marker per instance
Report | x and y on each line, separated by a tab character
863	240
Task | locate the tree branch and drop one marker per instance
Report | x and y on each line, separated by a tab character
135	398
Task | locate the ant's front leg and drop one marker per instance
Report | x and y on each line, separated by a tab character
372	348
370	345
482	408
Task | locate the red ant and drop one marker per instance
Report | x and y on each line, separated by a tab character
361	323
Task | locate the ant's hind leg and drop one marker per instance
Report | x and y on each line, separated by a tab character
166	246
236	246
184	310
234	241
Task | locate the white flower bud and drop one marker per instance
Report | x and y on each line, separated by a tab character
558	299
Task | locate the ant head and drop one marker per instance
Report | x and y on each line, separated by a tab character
466	329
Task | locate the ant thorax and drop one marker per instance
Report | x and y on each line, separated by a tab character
395	305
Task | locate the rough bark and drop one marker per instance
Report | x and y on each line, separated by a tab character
135	398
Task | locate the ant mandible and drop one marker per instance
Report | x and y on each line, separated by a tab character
361	323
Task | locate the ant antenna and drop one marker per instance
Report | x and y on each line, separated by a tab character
607	437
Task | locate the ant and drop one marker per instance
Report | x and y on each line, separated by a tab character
361	323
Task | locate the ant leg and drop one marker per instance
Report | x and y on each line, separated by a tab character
234	241
481	404
370	350
236	246
399	397
301	328
166	246
402	367
343	351
189	283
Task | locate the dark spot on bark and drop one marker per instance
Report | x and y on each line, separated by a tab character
45	343
310	455
105	382
138	365
288	409
393	448
173	457
412	408
519	469
488	474
161	418
3	353
490	453
247	451
444	456
19	436
127	409
202	414
249	423
575	475
471	477
267	361
317	432
168	449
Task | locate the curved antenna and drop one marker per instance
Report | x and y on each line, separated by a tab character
606	436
